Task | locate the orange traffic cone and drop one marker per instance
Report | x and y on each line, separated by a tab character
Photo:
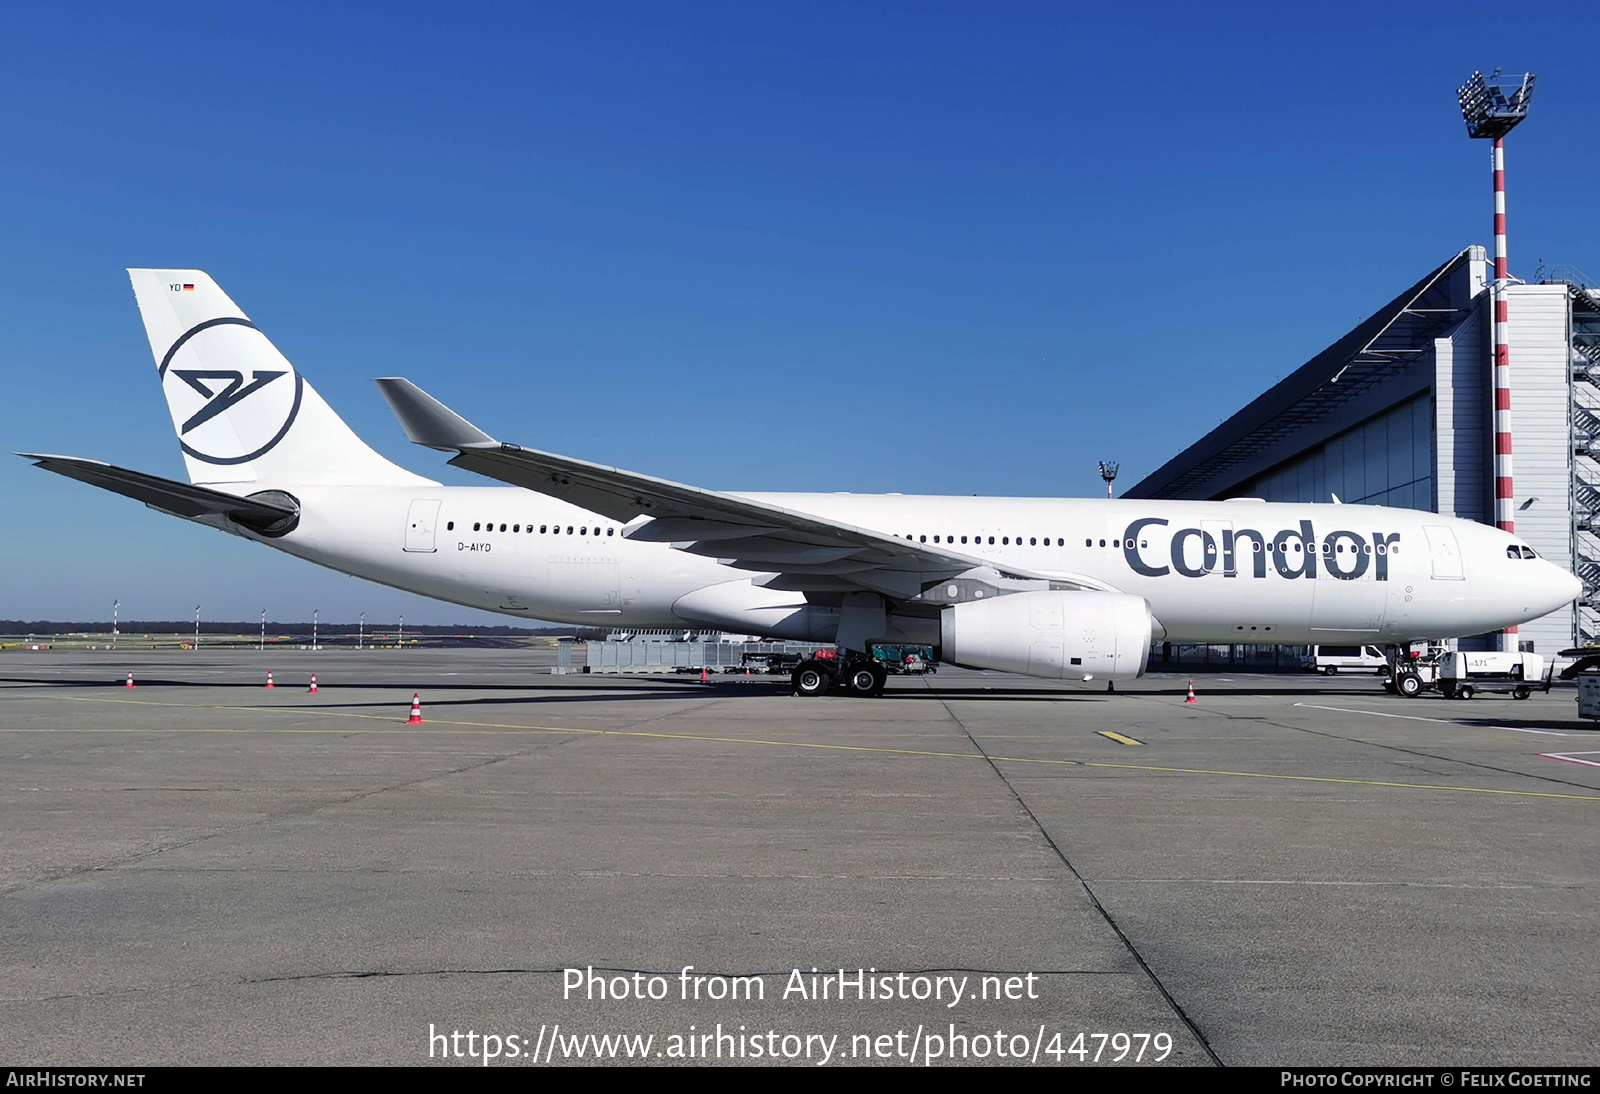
703	678
1191	698
130	682
416	710
270	684
313	688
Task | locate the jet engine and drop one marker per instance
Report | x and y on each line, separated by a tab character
1058	635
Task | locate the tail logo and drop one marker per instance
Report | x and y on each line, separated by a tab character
229	415
220	400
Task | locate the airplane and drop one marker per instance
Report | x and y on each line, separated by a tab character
1046	587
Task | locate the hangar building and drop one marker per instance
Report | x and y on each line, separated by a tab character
1399	411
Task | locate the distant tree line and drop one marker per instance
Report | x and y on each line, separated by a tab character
253	626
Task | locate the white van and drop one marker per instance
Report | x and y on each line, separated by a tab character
1329	660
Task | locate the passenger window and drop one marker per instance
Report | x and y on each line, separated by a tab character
450	527
924	539
1088	543
530	529
569	529
1033	541
1005	541
1102	543
963	539
583	531
611	531
502	527
936	539
475	525
516	527
991	541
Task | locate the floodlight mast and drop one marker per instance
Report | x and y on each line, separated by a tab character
1492	106
1108	471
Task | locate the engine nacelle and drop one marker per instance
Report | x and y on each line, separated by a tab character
1057	635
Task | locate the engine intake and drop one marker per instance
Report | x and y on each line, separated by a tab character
1055	635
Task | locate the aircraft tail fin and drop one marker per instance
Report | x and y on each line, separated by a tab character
241	411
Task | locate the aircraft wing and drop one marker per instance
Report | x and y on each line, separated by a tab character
178	498
810	553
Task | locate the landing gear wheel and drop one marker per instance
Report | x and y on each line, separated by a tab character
1409	684
1521	693
809	680
1331	670
866	681
1465	691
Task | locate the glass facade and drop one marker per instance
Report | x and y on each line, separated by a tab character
1386	460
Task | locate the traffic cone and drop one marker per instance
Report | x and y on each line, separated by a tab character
313	688
1191	698
130	682
703	677
270	684
416	710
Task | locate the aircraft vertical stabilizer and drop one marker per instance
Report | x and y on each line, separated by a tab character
241	411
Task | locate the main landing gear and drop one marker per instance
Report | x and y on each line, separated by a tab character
847	670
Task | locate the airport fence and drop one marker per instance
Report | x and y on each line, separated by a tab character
1172	655
668	657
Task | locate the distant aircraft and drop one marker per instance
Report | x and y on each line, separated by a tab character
1057	588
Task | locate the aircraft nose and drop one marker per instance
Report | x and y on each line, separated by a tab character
1563	586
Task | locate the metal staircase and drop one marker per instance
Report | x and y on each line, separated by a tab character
1585	401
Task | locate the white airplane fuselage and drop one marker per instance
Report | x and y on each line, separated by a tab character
1235	571
1054	588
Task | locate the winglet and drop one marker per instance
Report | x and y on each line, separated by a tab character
429	422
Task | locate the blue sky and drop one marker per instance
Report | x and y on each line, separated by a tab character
927	247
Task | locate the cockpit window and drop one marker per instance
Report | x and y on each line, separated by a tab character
1518	551
1527	552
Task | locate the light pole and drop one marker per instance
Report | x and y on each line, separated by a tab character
1492	106
401	641
263	630
115	604
1108	471
361	633
313	628
197	627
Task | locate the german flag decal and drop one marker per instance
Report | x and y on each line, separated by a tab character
188	288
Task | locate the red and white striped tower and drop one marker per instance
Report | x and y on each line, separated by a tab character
1504	503
1492	106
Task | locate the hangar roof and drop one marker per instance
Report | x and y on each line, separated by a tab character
1378	348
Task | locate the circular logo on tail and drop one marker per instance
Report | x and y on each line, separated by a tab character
233	396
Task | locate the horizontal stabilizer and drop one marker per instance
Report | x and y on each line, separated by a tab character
179	498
